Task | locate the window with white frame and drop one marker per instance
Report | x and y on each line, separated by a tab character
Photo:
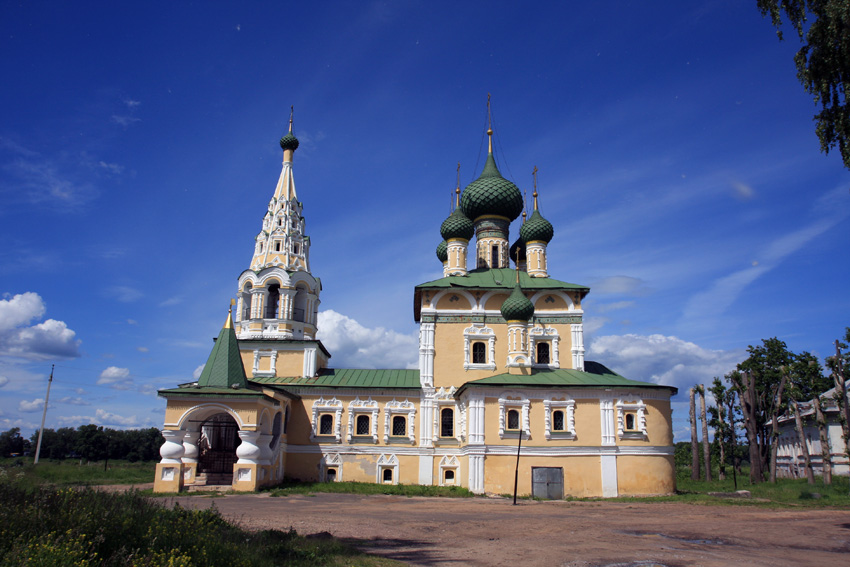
363	420
399	420
387	470
543	343
331	468
448	423
559	418
514	415
327	418
449	471
631	418
479	348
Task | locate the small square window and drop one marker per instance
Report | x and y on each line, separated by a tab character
513	420
449	476
326	425
362	425
387	476
399	426
558	420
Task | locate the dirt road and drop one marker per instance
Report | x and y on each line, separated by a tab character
480	531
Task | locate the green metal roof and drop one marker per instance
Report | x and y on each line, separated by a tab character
595	375
493	278
457	226
348	378
517	306
224	366
210	392
536	228
443	251
491	194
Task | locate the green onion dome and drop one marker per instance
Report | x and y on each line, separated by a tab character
491	194
289	142
536	228
443	251
517	306
518	246
457	225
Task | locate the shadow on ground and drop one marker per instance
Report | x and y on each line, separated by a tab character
413	551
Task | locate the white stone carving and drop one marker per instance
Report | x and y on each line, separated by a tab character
395	407
321	406
475	333
387	462
568	407
540	334
636	406
361	407
517	401
172	450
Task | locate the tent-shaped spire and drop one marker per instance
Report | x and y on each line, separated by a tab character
224	366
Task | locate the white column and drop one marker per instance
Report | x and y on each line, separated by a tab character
248	450
426	354
578	346
172	450
190	446
266	454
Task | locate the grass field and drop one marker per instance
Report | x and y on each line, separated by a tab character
71	472
291	487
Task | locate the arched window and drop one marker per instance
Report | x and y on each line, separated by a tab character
513	419
272	299
387	476
479	353
494	256
449	477
277	246
630	422
558	420
542	353
362	425
285	419
326	424
330	475
447	422
399	425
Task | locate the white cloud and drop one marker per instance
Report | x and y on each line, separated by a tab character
112	168
35	405
124	120
132	322
172	301
197	373
605	307
124	294
46	340
663	360
143	349
3	381
355	346
73	401
131	103
623	285
105	418
117	378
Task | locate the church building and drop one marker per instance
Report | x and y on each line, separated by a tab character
502	383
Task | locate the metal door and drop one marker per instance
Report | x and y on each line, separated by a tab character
217	444
547	483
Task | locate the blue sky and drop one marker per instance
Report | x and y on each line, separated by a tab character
138	150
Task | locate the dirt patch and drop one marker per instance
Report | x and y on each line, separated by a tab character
481	531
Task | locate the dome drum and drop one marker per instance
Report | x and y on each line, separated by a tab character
492	227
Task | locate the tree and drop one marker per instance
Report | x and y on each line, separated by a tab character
11	442
722	421
694	438
838	365
706	454
823	63
760	383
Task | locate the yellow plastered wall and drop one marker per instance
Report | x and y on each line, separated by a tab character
659	425
247	411
449	354
462	472
454	302
494	303
645	475
557	303
582	474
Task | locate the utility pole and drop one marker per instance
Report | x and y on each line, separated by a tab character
43	415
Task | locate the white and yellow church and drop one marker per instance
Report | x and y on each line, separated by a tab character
501	373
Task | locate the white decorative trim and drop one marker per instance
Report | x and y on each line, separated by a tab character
426	354
514	400
449	462
400	408
443	399
577	331
322	406
540	334
569	431
624	405
479	333
330	460
606	413
259	355
386	462
360	407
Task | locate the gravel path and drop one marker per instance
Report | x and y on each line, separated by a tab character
482	531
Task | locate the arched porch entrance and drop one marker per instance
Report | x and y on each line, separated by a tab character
217	449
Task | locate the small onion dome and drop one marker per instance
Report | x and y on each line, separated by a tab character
536	228
443	251
518	246
457	225
517	306
289	142
491	194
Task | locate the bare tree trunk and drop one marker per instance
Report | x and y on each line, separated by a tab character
706	452
748	408
694	439
826	451
720	437
774	435
801	435
841	395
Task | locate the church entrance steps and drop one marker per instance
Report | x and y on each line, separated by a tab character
212	480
